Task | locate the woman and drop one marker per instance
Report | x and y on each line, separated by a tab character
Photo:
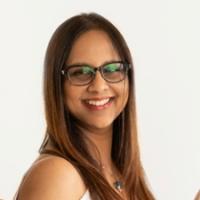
90	150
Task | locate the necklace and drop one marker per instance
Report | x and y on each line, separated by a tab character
118	184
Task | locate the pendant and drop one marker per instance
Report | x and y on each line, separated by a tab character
118	185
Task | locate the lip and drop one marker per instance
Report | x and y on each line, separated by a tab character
99	107
98	98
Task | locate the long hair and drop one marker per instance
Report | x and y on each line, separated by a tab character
62	130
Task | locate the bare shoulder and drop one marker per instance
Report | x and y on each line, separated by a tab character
197	197
52	178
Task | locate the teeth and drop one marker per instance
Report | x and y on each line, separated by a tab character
99	103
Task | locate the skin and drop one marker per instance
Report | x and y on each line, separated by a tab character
95	48
50	178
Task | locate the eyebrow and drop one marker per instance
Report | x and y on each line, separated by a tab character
85	63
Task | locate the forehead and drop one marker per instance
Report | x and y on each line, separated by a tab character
93	47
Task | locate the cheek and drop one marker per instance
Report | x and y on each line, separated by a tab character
70	97
125	92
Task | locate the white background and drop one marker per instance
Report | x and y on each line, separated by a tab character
164	38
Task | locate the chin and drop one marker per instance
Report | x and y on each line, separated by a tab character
100	126
96	122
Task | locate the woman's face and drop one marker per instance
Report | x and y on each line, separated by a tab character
97	104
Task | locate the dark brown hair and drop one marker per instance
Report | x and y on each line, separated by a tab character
62	130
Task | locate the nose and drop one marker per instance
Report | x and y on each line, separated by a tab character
98	84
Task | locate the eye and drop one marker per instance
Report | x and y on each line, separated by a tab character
75	71
87	70
112	67
80	70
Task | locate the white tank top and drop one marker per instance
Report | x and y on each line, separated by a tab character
86	196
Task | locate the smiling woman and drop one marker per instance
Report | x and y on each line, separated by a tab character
90	150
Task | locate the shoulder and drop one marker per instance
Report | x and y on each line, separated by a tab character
52	178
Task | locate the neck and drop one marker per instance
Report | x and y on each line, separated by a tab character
102	139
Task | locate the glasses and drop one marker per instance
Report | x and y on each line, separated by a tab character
84	74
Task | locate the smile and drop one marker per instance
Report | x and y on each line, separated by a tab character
98	103
94	104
